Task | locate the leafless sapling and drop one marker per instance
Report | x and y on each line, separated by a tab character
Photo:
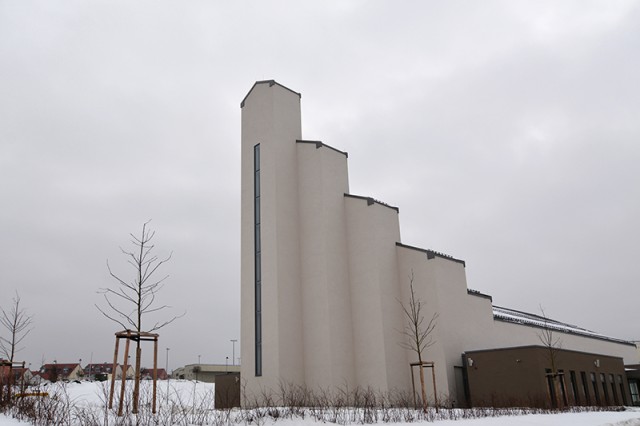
552	344
131	299
418	333
17	324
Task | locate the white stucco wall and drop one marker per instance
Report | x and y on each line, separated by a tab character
440	284
326	301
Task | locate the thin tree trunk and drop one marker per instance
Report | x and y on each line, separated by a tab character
423	388
557	386
11	355
136	384
10	381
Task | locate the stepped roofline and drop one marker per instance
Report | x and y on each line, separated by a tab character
270	83
320	144
370	201
431	254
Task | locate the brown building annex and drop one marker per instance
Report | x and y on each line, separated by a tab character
522	376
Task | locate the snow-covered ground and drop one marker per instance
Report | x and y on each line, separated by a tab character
626	418
601	418
183	393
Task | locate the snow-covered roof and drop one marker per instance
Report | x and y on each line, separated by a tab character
524	318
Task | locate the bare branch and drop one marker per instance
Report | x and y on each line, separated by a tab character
417	337
553	345
550	341
110	317
18	324
158	326
140	292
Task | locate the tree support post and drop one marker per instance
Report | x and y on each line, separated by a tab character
113	373
435	390
155	373
421	365
125	367
136	336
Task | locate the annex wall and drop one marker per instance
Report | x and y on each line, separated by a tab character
518	376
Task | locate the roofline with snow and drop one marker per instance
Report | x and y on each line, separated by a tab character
532	320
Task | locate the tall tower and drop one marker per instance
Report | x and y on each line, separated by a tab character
296	298
319	271
270	262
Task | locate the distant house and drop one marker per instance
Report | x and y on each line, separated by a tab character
147	374
101	371
204	372
56	371
129	374
4	370
22	376
104	371
36	378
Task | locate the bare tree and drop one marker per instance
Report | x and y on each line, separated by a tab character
131	299
418	333
18	324
553	345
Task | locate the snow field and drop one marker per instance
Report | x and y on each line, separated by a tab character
88	397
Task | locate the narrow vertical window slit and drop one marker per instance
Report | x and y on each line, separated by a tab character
257	263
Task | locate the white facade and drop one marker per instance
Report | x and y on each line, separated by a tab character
323	271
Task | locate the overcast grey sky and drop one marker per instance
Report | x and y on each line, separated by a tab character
507	133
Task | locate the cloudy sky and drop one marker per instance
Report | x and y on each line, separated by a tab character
507	132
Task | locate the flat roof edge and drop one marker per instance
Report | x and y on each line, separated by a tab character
510	348
371	200
477	293
320	144
431	254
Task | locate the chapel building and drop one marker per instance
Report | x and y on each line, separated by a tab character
323	271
